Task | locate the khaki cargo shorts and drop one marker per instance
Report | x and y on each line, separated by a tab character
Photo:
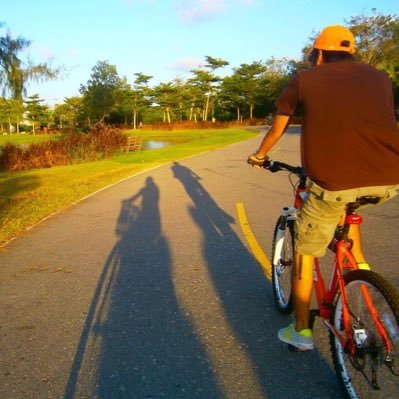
317	219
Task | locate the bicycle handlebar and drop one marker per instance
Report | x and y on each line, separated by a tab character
276	166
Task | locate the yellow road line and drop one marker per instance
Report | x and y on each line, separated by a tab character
252	241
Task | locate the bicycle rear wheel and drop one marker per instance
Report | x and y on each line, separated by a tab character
282	263
373	371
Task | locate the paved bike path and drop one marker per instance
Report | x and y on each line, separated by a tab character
149	290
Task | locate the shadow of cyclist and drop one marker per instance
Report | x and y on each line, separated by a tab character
136	340
247	304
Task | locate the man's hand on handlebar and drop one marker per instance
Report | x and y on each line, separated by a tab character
256	160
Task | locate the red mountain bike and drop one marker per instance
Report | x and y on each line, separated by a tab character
359	307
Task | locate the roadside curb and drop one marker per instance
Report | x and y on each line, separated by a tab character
3	245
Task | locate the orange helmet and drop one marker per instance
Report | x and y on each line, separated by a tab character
335	38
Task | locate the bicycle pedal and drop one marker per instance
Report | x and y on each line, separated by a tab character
293	348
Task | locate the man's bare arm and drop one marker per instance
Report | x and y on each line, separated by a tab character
277	129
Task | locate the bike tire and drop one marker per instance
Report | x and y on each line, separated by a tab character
282	264
355	372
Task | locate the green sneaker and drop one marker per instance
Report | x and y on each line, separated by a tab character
363	266
302	340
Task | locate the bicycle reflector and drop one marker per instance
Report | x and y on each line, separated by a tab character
354	219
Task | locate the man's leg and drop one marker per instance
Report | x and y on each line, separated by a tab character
302	284
299	335
314	227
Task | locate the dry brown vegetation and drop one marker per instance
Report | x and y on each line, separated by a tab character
101	141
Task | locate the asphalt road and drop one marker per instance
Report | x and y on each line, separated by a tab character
148	289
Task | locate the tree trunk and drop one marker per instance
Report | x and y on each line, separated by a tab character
134	120
191	112
207	106
238	114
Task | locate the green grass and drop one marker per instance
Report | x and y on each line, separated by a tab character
26	197
21	139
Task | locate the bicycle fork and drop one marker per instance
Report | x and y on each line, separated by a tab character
287	213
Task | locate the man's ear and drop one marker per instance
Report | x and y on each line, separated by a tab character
320	58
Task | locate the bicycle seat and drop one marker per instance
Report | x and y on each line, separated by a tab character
368	199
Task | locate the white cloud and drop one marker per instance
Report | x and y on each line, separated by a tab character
47	53
186	64
194	10
198	10
40	52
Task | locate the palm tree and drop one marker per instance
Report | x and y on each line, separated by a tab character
15	73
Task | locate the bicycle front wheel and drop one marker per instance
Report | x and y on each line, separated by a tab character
372	371
282	264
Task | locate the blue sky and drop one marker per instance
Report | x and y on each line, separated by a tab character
167	38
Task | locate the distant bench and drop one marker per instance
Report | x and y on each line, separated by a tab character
134	144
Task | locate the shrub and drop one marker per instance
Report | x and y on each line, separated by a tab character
101	141
184	125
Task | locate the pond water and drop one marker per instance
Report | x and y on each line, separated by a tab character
155	144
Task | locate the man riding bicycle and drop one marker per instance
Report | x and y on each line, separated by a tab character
349	148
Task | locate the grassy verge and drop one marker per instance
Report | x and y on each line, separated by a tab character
27	197
21	139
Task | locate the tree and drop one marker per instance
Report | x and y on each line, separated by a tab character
4	113
122	102
249	78
165	96
16	110
377	39
185	100
97	94
140	95
14	72
276	75
202	81
231	97
212	64
36	112
76	109
70	113
194	96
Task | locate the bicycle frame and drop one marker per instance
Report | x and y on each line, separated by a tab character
356	328
343	260
325	296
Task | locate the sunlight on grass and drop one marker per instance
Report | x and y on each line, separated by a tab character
26	197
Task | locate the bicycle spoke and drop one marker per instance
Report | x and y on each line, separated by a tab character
373	366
